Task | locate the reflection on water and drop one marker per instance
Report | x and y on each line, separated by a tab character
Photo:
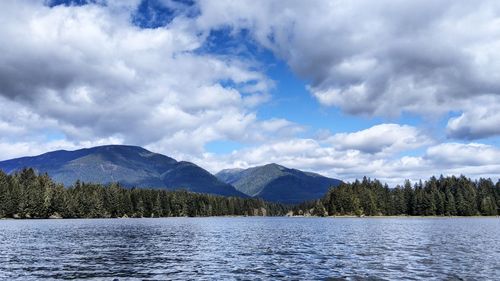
251	248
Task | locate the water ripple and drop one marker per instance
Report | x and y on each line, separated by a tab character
250	249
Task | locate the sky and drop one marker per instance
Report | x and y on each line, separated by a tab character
387	89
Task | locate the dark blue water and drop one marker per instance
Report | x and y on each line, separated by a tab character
251	249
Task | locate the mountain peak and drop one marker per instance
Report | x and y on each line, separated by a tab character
117	146
127	164
278	183
272	166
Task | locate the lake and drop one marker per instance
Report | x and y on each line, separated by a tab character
251	248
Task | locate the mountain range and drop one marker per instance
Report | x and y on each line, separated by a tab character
128	165
134	166
276	183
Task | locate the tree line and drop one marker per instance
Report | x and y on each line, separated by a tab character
26	194
443	196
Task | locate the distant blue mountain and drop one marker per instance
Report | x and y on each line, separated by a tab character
129	165
276	183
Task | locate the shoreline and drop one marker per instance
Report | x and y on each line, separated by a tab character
393	217
326	217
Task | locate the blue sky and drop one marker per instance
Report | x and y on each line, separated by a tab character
391	90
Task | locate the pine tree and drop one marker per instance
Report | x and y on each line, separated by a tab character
450	204
4	194
319	209
488	207
157	211
30	195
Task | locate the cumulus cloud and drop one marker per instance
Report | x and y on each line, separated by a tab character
367	153
458	154
473	160
89	73
380	58
385	138
77	76
478	122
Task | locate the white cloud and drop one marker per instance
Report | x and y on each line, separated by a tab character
334	159
87	72
383	138
381	58
79	76
458	154
478	122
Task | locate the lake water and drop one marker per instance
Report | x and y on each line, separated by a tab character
251	249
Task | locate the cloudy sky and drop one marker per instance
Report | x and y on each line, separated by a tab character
387	89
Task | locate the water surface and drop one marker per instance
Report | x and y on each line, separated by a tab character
251	248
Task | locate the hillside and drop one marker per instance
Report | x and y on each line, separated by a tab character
276	183
128	165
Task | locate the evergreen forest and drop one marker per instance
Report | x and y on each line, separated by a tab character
26	194
443	196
